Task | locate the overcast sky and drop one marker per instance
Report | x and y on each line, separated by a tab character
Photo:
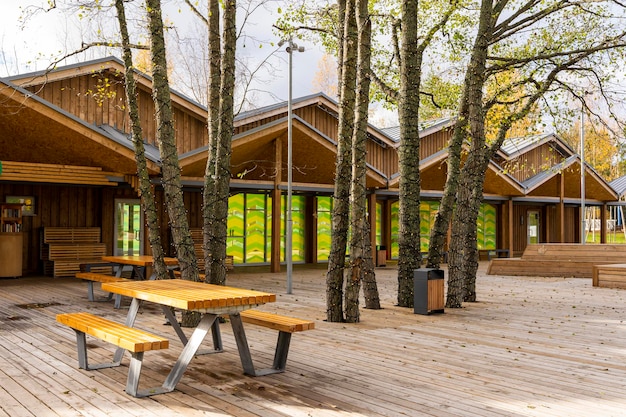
31	47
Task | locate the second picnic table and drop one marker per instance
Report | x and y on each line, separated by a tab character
140	263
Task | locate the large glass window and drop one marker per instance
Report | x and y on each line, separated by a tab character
249	238
324	227
298	227
255	234
486	227
235	238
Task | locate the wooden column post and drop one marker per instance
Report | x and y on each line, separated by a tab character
561	210
372	220
603	230
510	234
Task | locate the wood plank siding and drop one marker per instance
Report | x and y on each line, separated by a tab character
100	99
531	163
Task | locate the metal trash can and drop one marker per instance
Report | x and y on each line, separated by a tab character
428	294
381	255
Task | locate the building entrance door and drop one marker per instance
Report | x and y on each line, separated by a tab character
533	226
128	227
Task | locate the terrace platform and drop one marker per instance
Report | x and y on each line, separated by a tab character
531	346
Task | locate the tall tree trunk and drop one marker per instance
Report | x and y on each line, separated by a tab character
341	197
462	220
439	231
166	139
225	135
409	155
470	264
213	124
167	146
145	188
361	263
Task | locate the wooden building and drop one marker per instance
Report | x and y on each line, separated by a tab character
64	141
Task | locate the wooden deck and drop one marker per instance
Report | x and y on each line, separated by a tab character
530	347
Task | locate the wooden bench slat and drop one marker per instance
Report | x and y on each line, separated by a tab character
93	276
276	321
559	260
134	340
129	338
71	235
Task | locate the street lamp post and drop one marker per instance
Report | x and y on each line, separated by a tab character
291	47
582	173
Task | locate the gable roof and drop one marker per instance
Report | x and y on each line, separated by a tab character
36	131
110	63
427	127
513	147
619	185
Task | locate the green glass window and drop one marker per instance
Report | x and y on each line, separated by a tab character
486	227
255	228
298	228
235	243
324	227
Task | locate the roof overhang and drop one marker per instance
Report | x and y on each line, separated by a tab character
34	131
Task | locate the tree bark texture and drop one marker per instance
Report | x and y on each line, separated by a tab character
213	123
167	146
341	196
225	136
146	191
463	240
409	256
361	262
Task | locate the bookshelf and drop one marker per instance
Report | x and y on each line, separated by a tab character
11	242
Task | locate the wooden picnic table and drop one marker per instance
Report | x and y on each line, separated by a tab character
208	299
140	264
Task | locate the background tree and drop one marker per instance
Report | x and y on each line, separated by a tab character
501	45
325	79
601	147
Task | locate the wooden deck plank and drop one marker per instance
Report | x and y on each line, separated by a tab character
530	346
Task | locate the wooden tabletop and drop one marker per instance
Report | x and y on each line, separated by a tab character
190	295
137	260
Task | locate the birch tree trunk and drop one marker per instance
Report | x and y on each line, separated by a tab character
146	192
409	155
341	196
213	124
167	146
361	263
225	135
229	22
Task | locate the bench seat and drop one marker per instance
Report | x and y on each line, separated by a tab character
92	277
285	326
609	276
134	340
559	260
275	321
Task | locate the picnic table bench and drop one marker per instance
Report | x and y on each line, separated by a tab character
91	277
285	326
134	340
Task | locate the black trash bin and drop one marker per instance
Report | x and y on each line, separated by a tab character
381	255
428	294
